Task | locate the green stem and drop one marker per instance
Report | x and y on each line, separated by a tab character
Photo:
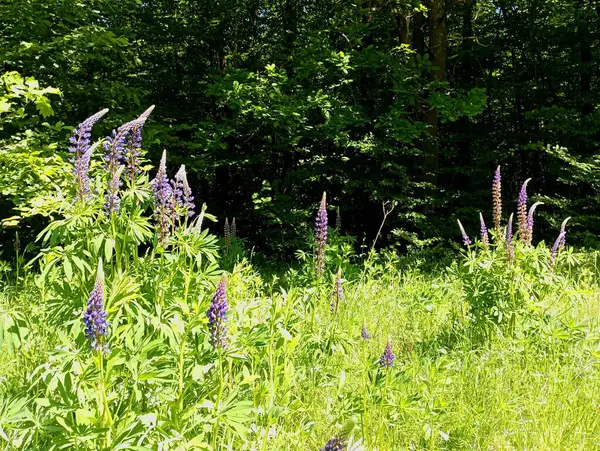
218	402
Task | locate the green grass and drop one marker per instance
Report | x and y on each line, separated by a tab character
307	372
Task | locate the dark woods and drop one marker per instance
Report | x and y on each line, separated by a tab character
270	103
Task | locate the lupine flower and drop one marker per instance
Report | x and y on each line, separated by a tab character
80	144
560	242
485	239
529	236
338	220
335	444
200	219
227	233
162	200
112	200
510	247
338	292
387	358
497	200
364	333
522	212
217	316
134	144
183	192
233	228
465	237
94	318
321	236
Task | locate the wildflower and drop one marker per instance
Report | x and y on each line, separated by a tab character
217	315
134	144
335	444
183	192
560	242
233	228
94	318
364	333
529	235
522	212
80	144
484	232
338	292
338	220
112	200
510	247
387	358
321	236
162	200
497	200
227	233
465	237
17	243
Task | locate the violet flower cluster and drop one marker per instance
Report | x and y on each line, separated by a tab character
338	292
134	144
497	200
80	146
364	333
522	212
485	239
227	233
163	193
95	316
321	236
183	192
529	234
217	316
388	358
560	242
510	246
465	237
335	444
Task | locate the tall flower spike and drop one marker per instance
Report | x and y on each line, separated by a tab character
80	145
510	246
94	318
335	444
388	358
529	235
560	242
227	233
184	192
217	316
522	212
338	292
338	220
497	200
112	200
134	144
162	200
485	239
233	228
465	237
321	236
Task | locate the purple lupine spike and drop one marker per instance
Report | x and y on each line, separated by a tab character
522	212
80	145
112	199
321	236
510	246
217	316
338	292
465	237
335	444
560	242
163	193
227	233
364	333
388	358
233	228
184	192
94	318
529	236
134	144
497	200
485	239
